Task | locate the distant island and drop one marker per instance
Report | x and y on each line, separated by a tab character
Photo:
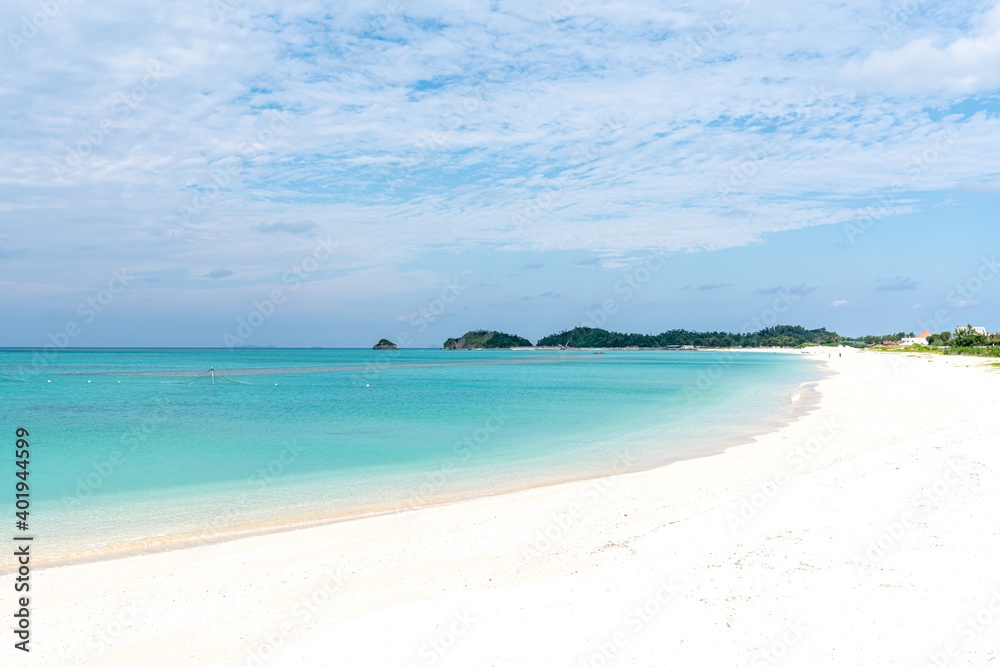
587	337
486	340
964	340
385	344
777	336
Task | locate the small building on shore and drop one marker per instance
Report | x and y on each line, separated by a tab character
916	340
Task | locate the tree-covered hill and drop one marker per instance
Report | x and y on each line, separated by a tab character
486	340
783	336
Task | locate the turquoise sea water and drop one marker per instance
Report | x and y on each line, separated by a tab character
134	448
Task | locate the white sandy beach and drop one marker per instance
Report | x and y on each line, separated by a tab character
864	533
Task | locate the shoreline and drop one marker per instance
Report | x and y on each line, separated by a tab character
548	575
802	403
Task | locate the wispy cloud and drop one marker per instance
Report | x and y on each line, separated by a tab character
300	227
436	124
897	284
795	290
218	274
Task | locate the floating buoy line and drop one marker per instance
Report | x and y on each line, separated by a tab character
11	377
211	372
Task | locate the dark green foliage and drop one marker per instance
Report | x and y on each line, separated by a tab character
896	337
967	337
500	339
487	340
777	336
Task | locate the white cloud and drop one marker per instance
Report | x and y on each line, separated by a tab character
986	186
401	132
966	65
838	303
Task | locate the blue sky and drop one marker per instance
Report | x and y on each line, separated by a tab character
349	171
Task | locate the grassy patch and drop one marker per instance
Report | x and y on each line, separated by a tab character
975	351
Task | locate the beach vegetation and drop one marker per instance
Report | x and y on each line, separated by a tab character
968	337
975	351
939	338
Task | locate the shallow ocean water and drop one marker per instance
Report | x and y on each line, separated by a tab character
134	448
